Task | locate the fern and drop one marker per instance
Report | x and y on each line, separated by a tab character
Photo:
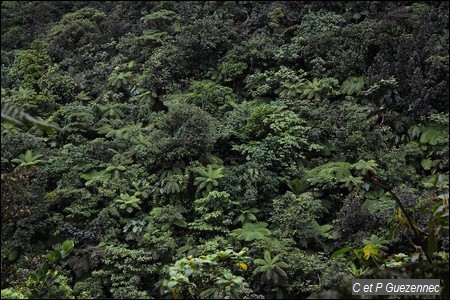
271	268
352	85
209	178
433	135
15	115
252	231
329	172
128	203
95	176
28	159
366	166
246	216
120	81
426	164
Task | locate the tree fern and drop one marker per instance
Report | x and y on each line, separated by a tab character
28	159
246	216
111	111
271	268
329	172
120	81
209	178
366	166
15	115
252	231
128	203
352	85
433	135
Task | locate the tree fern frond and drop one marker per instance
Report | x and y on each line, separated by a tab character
15	115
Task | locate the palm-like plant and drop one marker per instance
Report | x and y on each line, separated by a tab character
170	179
252	231
83	96
95	176
124	132
9	128
318	88
128	203
352	85
271	268
208	178
28	159
246	216
111	111
352	182
148	97
311	89
51	123
116	169
366	166
120	81
118	164
23	92
291	90
374	247
140	142
141	187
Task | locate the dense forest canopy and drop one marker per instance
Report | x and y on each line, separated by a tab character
211	149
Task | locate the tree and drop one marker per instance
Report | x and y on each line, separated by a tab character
271	269
28	159
120	81
209	178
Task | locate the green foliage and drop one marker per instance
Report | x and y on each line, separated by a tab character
209	178
28	159
216	211
111	111
366	166
212	97
16	116
30	65
330	173
318	88
271	269
146	97
252	231
47	282
118	164
384	92
247	216
128	203
352	85
174	130
171	180
373	248
160	18
126	271
276	138
297	217
227	71
207	276
120	81
95	176
77	29
184	132
168	217
12	293
75	119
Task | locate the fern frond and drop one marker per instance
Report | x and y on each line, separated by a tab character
15	115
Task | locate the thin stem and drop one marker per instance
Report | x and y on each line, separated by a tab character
402	208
